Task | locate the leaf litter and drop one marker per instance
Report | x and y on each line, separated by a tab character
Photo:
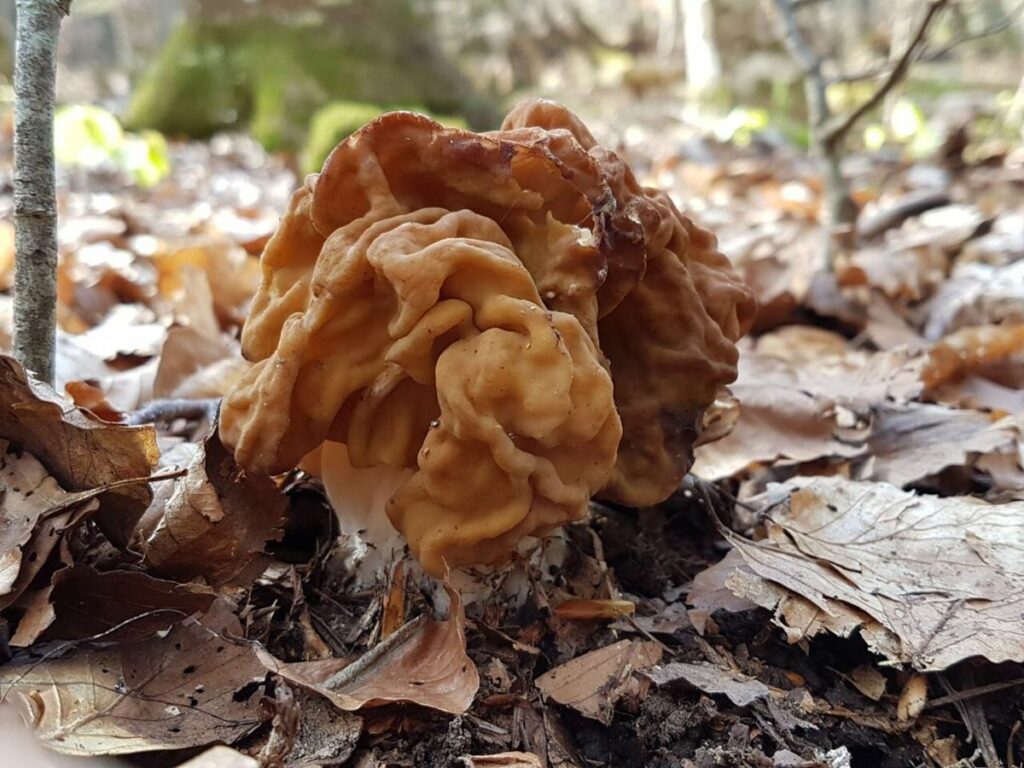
837	588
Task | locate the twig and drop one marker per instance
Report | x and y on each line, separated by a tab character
166	411
345	676
981	690
931	55
77	498
840	127
890	218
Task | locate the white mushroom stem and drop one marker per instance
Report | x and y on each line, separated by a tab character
358	497
372	546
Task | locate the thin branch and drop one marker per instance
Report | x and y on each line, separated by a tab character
931	55
842	126
794	40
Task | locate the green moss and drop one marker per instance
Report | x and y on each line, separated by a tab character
272	77
193	88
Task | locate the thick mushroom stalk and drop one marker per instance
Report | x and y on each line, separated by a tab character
493	328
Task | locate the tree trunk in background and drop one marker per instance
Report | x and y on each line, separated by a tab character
670	27
703	67
35	196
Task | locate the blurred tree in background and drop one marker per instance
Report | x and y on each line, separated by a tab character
276	67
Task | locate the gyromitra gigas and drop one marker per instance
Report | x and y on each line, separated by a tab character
480	332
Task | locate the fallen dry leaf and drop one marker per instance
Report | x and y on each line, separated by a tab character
214	523
741	691
977	294
711	591
913	698
194	686
972	350
82	453
128	329
593	683
194	366
503	760
914	440
114	605
220	757
424	663
581	609
927	581
94	400
869	681
27	494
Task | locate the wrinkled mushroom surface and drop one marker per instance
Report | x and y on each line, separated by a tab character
508	318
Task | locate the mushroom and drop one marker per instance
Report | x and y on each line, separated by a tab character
471	335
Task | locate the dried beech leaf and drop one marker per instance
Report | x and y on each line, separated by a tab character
578	608
977	294
710	591
128	329
424	663
503	760
913	698
741	691
94	400
915	440
927	581
27	493
82	453
221	757
194	686
214	523
854	407
869	681
593	683
195	366
117	605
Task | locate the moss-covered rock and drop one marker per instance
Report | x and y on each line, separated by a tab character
339	119
273	75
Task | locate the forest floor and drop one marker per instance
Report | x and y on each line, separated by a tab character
838	583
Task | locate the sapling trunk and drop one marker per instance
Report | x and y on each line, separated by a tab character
35	195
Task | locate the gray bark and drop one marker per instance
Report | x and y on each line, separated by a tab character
829	131
35	196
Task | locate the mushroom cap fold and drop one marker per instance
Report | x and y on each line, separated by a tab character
460	304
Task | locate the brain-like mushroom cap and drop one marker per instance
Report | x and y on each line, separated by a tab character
460	304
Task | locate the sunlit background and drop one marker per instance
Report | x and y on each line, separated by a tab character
299	74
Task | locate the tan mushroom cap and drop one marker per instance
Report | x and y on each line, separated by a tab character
459	304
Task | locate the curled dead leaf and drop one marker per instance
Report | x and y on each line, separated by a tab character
424	663
114	605
913	698
82	453
213	524
28	494
927	581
